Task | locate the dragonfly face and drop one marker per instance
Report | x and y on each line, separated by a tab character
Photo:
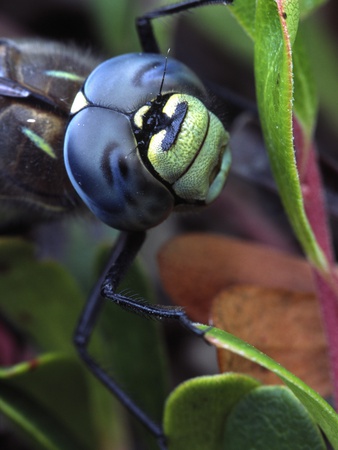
166	153
135	158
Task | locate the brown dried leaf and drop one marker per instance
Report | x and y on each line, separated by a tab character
283	324
196	267
282	318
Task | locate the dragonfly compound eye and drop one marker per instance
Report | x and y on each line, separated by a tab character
141	142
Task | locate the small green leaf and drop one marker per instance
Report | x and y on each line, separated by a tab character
321	411
196	410
271	417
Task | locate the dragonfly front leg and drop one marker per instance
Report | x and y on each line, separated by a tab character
123	254
145	309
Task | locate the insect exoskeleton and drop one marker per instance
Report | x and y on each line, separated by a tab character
141	142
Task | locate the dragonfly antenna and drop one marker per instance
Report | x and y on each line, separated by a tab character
164	72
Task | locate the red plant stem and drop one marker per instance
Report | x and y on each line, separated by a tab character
327	287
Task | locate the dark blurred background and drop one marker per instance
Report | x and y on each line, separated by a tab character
213	45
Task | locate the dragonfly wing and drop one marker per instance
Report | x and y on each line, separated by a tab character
10	88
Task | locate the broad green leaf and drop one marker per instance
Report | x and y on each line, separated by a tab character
305	102
274	87
321	411
245	13
196	410
233	412
271	417
38	294
48	399
273	27
44	302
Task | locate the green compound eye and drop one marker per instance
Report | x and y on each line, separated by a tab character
190	152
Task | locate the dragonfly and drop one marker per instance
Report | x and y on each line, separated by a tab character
130	159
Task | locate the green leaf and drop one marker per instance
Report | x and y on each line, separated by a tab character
321	411
271	417
245	13
35	294
233	411
48	399
196	410
44	302
274	87
273	27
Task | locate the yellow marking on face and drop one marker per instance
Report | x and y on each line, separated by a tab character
138	117
198	161
79	103
172	163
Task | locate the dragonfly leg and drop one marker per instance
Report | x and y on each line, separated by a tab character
144	27
122	256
